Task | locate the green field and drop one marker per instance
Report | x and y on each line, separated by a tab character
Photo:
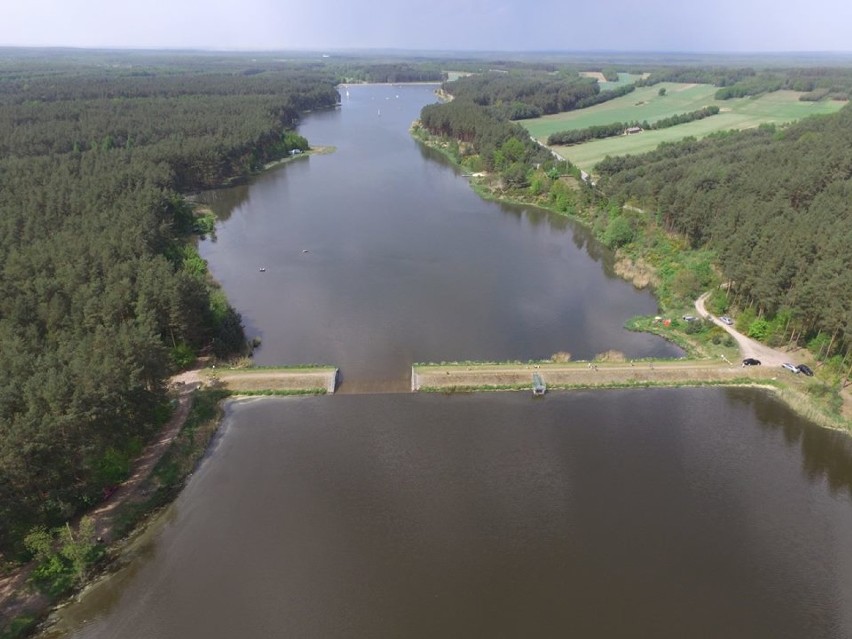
645	104
623	78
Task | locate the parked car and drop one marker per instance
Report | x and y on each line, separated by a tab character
806	370
689	318
726	320
750	361
790	367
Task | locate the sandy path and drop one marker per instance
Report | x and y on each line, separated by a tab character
767	355
15	597
104	514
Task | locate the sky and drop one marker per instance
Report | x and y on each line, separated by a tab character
433	25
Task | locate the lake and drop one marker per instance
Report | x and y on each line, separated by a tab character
374	513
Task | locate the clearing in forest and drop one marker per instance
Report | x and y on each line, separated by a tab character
645	103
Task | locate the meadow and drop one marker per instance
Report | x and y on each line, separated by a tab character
646	104
623	78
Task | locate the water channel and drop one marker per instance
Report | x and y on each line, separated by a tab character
633	513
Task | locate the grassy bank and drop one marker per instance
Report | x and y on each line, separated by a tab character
598	373
285	380
156	491
649	256
739	381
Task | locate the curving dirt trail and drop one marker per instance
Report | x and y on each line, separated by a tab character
767	355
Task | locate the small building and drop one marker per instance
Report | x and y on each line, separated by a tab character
633	130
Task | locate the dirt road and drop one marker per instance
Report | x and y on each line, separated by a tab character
767	355
15	597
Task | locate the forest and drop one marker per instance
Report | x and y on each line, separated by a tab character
774	206
816	83
102	293
516	95
767	208
490	143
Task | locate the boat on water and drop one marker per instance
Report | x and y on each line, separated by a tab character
539	388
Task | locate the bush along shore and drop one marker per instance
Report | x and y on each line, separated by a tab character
67	558
647	253
106	294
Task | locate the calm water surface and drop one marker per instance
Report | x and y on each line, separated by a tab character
405	262
644	513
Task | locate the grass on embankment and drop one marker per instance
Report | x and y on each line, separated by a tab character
594	374
285	380
650	257
801	394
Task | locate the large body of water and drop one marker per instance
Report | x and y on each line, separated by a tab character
635	513
405	262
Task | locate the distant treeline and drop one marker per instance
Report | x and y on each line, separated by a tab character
576	136
817	82
519	95
390	72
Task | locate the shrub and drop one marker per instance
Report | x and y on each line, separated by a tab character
758	329
618	232
63	557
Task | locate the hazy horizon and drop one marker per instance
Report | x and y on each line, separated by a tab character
475	26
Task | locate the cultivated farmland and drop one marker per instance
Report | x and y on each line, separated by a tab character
646	104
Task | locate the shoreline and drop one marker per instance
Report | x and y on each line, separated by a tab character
797	400
148	519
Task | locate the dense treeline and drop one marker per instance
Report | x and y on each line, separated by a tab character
491	143
610	73
683	118
775	206
816	82
771	207
576	136
537	93
717	76
597	132
101	294
605	96
755	85
392	72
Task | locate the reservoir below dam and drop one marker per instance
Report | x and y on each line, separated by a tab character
700	512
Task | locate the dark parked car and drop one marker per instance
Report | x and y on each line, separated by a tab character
750	361
806	370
